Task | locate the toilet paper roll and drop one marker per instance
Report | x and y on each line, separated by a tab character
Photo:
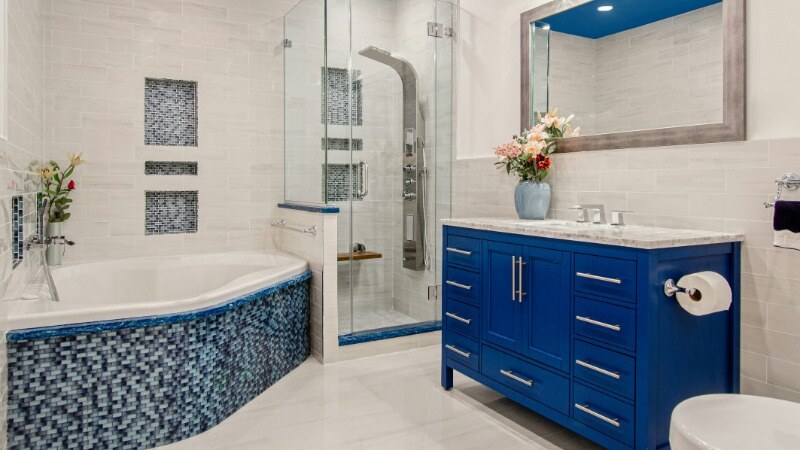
711	294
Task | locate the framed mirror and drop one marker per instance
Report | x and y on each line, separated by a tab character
637	73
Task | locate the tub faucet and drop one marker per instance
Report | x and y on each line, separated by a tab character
41	242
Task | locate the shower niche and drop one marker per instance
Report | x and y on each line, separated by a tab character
386	143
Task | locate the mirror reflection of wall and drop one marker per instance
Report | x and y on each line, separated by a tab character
643	64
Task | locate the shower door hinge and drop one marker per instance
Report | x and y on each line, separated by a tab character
287	43
435	292
435	29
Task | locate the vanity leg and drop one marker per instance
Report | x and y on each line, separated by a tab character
447	377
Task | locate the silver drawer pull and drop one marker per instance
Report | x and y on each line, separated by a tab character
598	323
459	285
599	278
605	372
585	408
458	318
453	349
459	251
528	383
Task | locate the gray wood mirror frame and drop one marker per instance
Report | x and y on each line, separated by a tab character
731	128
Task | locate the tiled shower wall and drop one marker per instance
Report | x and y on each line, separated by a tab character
21	152
718	187
98	55
667	73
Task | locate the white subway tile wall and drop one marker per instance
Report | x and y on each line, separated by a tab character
98	56
718	187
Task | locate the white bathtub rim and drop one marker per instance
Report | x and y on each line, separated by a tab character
22	318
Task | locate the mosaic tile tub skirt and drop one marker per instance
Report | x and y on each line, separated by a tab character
146	382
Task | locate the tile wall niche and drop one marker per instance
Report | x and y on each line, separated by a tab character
170	112
99	58
719	187
170	212
170	168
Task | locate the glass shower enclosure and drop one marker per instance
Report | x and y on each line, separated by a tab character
369	128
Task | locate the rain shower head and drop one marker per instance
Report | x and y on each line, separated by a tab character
400	65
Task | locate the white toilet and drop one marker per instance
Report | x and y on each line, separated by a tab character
727	421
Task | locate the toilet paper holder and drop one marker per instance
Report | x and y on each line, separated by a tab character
671	288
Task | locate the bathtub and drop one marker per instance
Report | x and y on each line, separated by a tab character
146	352
132	288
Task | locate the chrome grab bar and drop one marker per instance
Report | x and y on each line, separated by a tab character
605	372
587	410
509	374
458	318
453	349
459	285
459	251
364	175
598	278
282	224
598	323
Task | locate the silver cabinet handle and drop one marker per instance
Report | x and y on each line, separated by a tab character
458	318
585	408
508	373
459	251
599	278
598	323
605	372
453	349
513	278
521	292
459	285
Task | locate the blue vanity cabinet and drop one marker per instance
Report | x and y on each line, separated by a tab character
582	333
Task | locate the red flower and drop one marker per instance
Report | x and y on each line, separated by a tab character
542	162
71	185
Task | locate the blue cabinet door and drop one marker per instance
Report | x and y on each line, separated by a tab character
500	311
545	307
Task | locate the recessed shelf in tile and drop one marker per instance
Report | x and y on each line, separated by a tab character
342	144
170	212
170	168
339	104
170	112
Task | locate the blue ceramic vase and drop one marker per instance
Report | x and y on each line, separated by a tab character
532	200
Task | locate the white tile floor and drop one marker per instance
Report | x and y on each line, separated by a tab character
374	321
383	402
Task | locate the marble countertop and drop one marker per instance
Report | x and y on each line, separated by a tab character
625	236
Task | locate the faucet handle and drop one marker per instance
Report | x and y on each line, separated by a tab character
617	218
582	213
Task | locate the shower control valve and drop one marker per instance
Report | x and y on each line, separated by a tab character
408	168
409	181
409	195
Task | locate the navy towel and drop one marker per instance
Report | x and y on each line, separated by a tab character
787	216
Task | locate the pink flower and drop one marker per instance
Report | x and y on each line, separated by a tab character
509	150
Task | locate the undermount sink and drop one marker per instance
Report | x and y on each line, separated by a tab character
565	224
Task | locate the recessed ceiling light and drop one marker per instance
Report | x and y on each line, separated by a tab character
605	8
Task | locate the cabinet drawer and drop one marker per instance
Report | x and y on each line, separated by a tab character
462	350
535	382
463	285
463	251
462	317
603	413
606	277
612	324
605	368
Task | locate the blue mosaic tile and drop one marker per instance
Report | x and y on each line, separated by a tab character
141	387
343	103
170	168
170	112
342	144
17	230
340	182
310	208
170	212
359	338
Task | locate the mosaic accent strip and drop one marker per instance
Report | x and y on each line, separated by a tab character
151	386
170	168
340	107
350	339
339	182
170	212
17	229
343	144
170	112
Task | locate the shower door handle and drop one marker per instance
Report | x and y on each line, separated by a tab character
364	188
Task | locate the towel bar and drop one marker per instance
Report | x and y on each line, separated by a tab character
790	181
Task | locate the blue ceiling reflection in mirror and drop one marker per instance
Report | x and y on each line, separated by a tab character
595	20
